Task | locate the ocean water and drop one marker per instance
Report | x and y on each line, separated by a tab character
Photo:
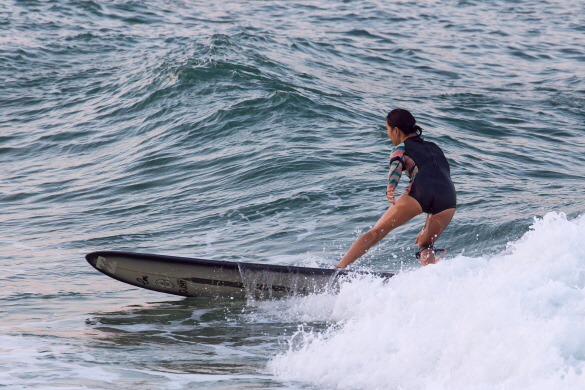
254	131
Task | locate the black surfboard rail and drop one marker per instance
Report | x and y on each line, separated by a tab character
191	277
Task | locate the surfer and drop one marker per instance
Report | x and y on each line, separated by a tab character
430	190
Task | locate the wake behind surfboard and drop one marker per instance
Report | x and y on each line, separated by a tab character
191	277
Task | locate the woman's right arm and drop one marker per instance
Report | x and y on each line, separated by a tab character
395	172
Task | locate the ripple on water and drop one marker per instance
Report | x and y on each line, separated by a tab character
254	131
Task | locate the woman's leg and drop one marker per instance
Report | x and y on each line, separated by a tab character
436	223
405	208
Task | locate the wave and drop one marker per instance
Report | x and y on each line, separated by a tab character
514	320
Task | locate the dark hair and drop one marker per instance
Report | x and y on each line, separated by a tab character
404	120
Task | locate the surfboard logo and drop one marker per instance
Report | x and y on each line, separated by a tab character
163	283
143	280
105	264
182	286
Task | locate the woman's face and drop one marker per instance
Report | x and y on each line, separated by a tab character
393	134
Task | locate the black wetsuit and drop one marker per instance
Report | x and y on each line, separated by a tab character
429	172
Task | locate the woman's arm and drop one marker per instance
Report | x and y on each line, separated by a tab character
395	172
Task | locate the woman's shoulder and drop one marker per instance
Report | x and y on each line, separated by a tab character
398	149
412	141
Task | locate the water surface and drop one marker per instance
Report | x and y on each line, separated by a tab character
254	131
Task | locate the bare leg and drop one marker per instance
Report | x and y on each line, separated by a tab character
404	210
436	223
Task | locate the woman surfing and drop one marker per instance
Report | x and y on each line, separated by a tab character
430	190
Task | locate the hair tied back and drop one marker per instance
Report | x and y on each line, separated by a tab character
417	129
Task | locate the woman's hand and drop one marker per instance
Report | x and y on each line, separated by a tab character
390	194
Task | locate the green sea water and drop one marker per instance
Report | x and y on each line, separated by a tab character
254	131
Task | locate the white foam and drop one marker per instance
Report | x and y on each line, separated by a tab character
211	237
310	228
512	321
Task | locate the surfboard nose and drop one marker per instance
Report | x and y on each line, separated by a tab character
102	261
92	258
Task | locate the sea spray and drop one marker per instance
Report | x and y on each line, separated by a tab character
515	320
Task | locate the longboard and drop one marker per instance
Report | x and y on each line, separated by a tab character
191	277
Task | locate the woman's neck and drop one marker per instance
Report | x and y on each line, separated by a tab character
405	137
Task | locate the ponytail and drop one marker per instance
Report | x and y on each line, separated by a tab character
417	130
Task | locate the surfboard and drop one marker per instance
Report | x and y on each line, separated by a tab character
192	277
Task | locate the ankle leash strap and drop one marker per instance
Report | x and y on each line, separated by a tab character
431	247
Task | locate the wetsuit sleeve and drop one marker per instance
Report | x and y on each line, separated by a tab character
396	166
411	170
